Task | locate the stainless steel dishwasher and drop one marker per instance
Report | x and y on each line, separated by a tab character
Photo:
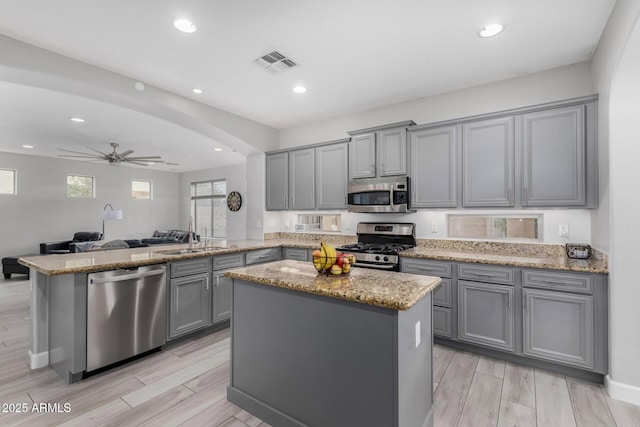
126	314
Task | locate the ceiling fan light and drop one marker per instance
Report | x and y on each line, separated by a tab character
197	91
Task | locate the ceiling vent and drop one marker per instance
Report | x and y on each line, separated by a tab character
275	62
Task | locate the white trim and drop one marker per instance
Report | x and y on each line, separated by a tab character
621	391
38	360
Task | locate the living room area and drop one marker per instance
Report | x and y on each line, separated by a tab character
41	212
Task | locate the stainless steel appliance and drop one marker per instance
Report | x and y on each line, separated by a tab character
379	195
379	244
126	314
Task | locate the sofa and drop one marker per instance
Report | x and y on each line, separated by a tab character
163	237
68	246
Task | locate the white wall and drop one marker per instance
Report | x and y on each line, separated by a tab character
547	86
41	212
255	196
553	85
616	67
236	177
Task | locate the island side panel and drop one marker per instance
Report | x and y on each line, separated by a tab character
415	367
319	360
39	314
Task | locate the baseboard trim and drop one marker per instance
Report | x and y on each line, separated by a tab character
621	391
38	360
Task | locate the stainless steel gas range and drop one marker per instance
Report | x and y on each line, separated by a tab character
379	244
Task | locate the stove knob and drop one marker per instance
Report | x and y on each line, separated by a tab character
385	258
377	258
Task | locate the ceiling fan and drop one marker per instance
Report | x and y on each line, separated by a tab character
114	158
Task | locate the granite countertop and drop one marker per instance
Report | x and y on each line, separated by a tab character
514	254
362	285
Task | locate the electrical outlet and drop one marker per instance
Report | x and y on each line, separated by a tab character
417	333
434	226
563	230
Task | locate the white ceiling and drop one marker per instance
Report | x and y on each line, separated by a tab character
353	55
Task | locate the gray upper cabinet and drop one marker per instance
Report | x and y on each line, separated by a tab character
362	156
391	149
488	163
277	181
302	179
379	151
434	167
331	176
554	157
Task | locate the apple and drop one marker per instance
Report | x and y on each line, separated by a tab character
336	269
341	259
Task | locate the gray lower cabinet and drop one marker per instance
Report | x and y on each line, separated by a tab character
299	254
331	176
486	314
434	167
488	163
277	181
189	296
223	286
190	304
263	255
559	327
443	298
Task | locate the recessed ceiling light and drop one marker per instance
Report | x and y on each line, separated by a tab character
491	30
184	25
150	163
299	89
139	86
217	149
27	146
198	91
76	119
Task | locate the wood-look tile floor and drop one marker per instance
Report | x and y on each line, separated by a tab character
185	385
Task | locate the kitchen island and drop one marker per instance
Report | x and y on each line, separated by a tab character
312	349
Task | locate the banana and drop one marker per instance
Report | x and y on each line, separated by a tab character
330	253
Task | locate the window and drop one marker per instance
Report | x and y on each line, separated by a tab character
7	181
80	186
496	227
141	190
209	208
319	223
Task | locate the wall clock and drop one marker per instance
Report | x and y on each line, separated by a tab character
234	201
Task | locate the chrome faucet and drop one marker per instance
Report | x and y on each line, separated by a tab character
190	231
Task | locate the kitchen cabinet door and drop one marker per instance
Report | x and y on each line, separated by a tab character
362	156
331	176
434	167
554	153
277	181
558	327
486	314
190	304
488	163
302	179
391	152
221	302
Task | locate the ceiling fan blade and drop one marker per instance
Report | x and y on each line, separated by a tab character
125	153
144	158
76	152
86	156
136	163
97	151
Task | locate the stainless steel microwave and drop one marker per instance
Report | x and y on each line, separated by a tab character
379	195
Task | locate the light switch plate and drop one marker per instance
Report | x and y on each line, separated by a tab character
417	333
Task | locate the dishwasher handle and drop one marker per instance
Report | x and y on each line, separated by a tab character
136	275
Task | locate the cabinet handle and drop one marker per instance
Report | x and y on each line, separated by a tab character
557	282
217	281
524	302
525	201
483	274
206	283
285	201
373	168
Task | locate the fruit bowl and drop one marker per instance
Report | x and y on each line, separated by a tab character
327	260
